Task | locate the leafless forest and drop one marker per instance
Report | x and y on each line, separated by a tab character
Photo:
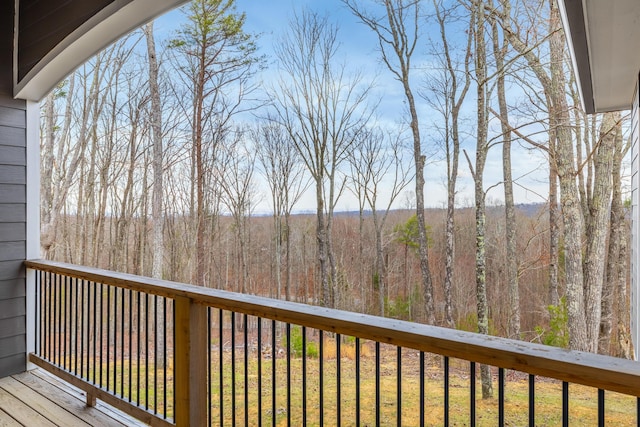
152	151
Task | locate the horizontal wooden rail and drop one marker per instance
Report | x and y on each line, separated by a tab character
603	372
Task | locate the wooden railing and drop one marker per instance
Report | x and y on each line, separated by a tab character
213	356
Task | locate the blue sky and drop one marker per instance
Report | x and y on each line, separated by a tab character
358	46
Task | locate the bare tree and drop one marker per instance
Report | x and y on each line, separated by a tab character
500	47
235	176
477	171
398	34
615	273
155	120
323	112
553	82
597	226
449	89
376	161
284	172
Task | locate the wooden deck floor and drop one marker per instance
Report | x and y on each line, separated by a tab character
37	398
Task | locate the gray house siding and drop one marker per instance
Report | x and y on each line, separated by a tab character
13	176
12	237
635	222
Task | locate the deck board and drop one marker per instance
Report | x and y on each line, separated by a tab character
22	412
38	398
57	414
7	420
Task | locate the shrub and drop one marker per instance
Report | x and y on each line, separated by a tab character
296	344
557	334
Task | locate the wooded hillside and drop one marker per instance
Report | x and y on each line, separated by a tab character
152	151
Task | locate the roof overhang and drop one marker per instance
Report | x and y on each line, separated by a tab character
103	28
604	39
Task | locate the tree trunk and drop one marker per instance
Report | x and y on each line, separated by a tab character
157	214
615	262
481	157
554	219
321	239
596	237
156	134
513	325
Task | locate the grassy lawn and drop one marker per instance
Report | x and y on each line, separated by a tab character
620	409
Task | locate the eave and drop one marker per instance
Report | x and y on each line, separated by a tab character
604	40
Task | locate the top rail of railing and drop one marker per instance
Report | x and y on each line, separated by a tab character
603	372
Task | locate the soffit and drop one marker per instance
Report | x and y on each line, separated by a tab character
604	37
94	25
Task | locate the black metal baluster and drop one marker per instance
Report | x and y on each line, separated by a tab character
108	335
259	371
95	333
378	401
122	351
532	400
118	346
338	382
130	292
57	308
60	319
221	365
65	322
565	404
74	323
116	313
357	381
399	386
37	345
155	354
69	325
233	368
52	319
209	365
472	396
422	385
85	305
446	391
101	360
638	411
321	377
64	295
164	360
56	319
288	331
273	373
147	319
46	317
173	342
246	371
304	376
138	345
43	314
600	408
79	314
501	397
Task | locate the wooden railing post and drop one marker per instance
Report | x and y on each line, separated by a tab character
190	363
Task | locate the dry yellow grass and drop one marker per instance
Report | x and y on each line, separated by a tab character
620	410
